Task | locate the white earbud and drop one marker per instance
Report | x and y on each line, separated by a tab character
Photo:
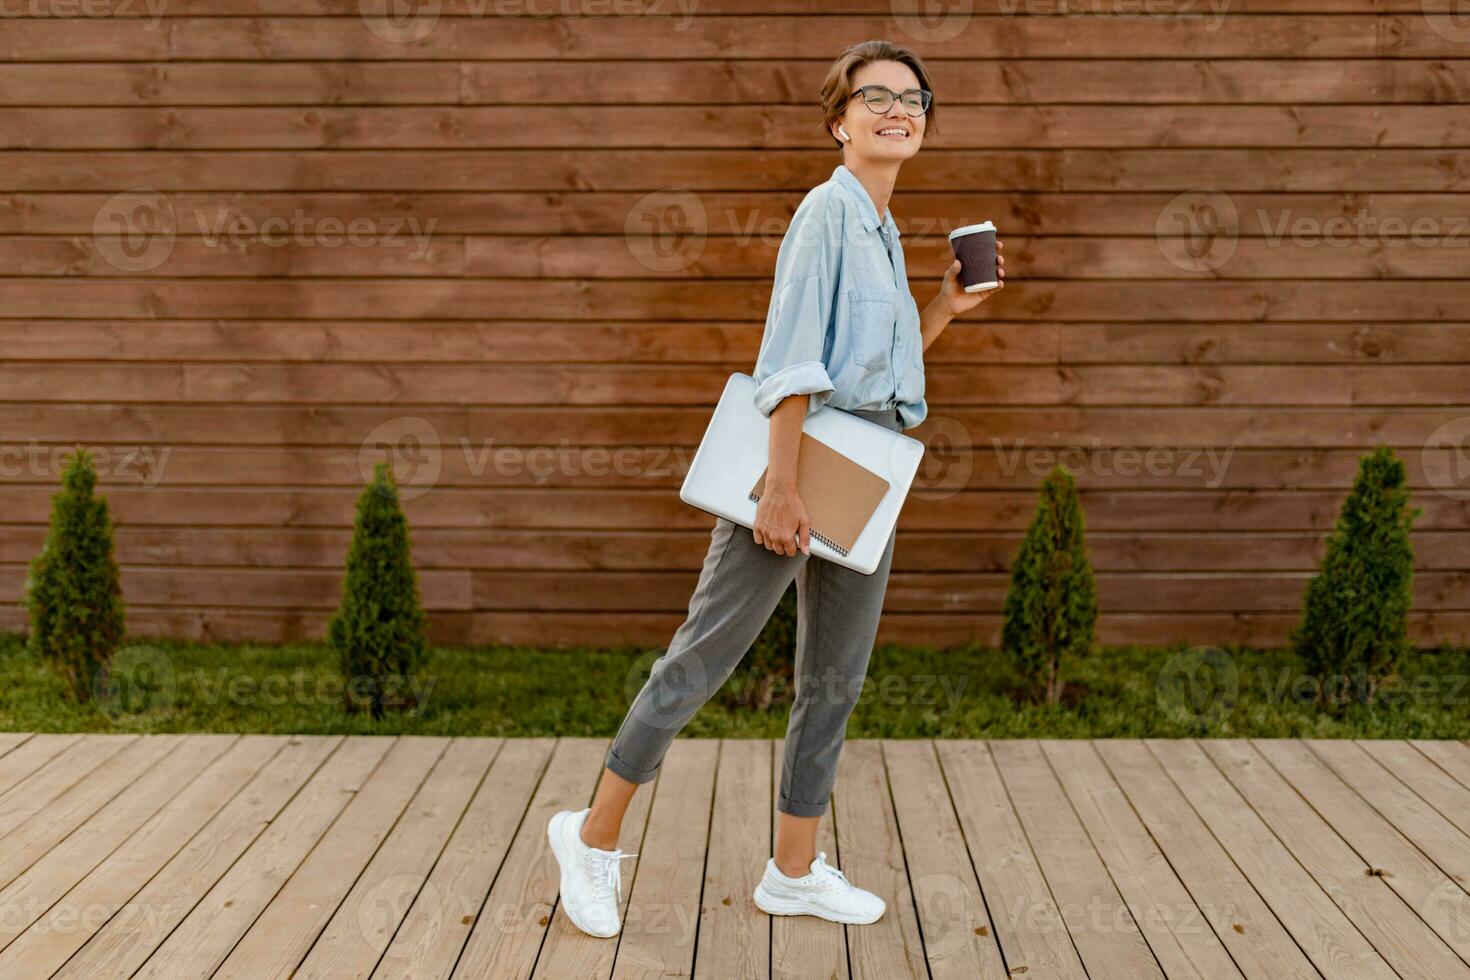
843	132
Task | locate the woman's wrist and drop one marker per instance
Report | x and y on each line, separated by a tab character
936	316
781	482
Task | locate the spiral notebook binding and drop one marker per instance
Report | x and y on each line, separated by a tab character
814	533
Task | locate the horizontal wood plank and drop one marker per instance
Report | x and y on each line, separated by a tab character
734	343
772	127
570	629
393	299
953	463
755	217
961	387
1295	248
547	550
1408	35
1084	170
655	8
1245	511
981	81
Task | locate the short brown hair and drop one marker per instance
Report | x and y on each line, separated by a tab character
838	84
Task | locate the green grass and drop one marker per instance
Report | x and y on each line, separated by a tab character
911	692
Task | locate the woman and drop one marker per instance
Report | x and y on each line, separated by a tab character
842	330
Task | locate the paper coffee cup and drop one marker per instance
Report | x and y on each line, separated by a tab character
974	246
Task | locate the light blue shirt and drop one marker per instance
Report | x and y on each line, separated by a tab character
842	327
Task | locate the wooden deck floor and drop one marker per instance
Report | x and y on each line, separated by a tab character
255	856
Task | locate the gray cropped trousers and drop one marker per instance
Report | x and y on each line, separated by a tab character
739	587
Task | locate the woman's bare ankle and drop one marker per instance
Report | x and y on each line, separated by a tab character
795	870
598	837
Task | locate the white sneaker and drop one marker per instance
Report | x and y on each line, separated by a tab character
591	878
824	892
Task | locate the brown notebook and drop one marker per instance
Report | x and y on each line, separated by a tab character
840	495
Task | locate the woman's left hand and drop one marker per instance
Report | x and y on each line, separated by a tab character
953	295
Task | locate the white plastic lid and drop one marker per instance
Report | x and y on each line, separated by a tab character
970	229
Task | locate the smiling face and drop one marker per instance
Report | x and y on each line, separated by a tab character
890	136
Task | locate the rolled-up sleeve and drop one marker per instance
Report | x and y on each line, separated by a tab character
790	360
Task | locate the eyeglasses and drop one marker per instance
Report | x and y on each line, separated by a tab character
879	98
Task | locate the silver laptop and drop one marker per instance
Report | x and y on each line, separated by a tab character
735	451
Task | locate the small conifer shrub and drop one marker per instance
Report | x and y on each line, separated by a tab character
73	595
378	631
1050	611
1355	617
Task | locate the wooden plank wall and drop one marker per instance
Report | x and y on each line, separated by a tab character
603	187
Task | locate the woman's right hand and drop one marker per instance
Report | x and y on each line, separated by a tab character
780	520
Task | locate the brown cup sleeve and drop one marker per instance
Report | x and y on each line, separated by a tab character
976	252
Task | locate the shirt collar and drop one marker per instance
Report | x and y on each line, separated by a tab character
866	208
